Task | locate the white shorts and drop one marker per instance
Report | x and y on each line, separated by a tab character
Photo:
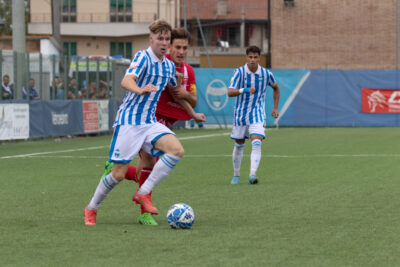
127	141
242	132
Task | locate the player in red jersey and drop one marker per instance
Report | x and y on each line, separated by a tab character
173	105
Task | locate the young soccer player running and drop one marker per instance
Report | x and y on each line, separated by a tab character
173	105
249	84
135	126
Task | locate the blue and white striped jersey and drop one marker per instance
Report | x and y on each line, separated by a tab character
148	69
250	108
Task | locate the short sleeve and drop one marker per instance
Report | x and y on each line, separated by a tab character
138	64
235	81
191	79
271	80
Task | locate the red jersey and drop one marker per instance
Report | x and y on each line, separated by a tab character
166	105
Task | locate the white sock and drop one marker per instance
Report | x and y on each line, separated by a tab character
255	156
106	184
162	168
237	156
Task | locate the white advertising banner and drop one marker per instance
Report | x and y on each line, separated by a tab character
14	121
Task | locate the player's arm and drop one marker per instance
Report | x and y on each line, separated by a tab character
129	83
234	89
277	93
180	93
136	68
232	92
198	117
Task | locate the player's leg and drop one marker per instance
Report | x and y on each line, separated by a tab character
160	139
129	175
122	151
257	134
173	152
239	135
145	166
106	184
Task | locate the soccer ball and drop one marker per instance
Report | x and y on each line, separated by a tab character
180	216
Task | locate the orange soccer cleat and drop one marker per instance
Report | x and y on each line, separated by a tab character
90	216
145	201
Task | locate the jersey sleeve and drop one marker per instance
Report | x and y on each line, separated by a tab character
172	81
138	64
235	81
191	80
271	79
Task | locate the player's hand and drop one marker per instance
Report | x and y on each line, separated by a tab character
199	117
149	88
252	90
275	113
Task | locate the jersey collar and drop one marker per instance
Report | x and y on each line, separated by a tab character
154	58
258	71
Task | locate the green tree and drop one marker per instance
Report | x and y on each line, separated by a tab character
6	16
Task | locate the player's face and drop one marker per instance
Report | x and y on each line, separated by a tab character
252	60
159	43
178	51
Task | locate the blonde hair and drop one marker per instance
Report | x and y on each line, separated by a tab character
160	25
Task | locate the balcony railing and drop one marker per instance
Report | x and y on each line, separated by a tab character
129	17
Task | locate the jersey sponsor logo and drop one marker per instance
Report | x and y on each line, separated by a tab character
217	94
193	88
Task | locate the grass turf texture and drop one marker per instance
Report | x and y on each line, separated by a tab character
326	197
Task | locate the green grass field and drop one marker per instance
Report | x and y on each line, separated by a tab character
327	197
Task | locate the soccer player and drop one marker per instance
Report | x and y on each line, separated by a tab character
249	84
135	126
173	105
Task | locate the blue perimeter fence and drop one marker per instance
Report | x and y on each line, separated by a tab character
320	98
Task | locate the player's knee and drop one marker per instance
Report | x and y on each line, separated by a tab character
177	151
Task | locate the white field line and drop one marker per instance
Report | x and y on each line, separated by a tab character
247	155
292	97
98	147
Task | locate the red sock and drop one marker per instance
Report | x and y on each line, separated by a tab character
144	174
131	174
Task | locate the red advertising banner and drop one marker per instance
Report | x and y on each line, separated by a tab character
90	116
380	100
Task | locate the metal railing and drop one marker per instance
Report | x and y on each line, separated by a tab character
53	77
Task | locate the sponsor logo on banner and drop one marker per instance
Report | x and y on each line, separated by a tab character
14	121
380	100
59	119
216	94
95	116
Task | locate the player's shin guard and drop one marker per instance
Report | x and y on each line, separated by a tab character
162	168
144	174
106	184
255	156
237	156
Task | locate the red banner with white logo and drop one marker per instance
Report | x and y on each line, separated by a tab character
380	100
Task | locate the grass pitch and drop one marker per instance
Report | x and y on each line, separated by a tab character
326	197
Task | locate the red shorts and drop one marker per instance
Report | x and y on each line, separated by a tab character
167	121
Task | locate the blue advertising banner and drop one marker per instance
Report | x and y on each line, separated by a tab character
213	101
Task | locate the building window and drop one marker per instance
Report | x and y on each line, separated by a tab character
121	49
121	10
234	36
68	11
70	49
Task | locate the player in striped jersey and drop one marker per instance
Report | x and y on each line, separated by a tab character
249	84
135	126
